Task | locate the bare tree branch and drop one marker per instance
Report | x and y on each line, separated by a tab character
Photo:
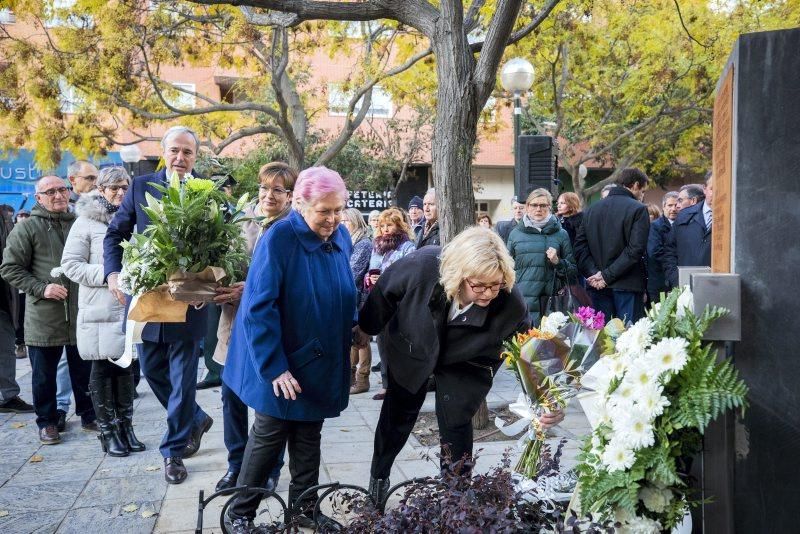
525	30
500	27
243	133
418	14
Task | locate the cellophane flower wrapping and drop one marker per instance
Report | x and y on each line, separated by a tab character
549	362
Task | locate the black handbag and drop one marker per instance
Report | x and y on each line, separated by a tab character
561	300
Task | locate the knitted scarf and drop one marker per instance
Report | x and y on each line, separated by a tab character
389	242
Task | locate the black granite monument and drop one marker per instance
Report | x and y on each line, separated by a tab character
763	225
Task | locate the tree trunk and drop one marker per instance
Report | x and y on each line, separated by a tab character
454	131
481	418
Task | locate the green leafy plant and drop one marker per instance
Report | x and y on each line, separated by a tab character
192	226
663	387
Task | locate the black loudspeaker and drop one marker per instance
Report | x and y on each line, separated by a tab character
536	165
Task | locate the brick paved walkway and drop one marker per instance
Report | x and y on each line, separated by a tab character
74	488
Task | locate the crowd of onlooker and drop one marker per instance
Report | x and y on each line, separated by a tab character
292	341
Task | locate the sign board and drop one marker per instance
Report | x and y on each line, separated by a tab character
18	175
370	200
723	176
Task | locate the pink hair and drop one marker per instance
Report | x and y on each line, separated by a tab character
316	182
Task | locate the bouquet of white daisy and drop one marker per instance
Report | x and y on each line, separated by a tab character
657	388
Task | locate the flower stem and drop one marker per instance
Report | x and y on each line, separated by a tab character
528	464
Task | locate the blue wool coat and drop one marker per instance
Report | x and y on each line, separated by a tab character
297	314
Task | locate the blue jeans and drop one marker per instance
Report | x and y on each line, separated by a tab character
63	385
626	305
171	371
235	427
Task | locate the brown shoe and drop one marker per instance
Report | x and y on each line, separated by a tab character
380	395
361	386
49	435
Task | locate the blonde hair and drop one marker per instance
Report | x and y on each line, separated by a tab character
541	192
356	220
396	217
475	252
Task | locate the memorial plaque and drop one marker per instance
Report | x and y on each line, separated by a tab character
722	171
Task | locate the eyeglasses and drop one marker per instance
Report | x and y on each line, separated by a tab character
539	206
54	191
277	191
479	289
89	177
115	188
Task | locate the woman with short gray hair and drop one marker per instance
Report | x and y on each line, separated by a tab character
100	315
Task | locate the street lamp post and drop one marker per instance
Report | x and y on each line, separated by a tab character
130	154
517	77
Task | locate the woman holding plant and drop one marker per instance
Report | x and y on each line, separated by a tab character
443	311
289	356
100	315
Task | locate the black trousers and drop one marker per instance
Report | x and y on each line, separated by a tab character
44	364
264	450
458	395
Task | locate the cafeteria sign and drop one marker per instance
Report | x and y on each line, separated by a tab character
370	200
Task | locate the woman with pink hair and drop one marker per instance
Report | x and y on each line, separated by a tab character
294	329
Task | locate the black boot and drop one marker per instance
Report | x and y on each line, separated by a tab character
379	490
103	399
125	389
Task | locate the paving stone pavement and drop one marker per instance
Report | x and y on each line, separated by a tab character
74	487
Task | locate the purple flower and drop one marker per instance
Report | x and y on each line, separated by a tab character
590	318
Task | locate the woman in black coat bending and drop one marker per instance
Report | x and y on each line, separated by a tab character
448	318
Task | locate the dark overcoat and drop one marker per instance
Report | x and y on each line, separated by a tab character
409	306
689	243
297	314
613	240
131	216
656	243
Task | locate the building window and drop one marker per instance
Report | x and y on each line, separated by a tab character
482	206
7	16
70	97
59	13
338	100
179	99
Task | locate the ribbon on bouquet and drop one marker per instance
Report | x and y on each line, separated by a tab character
524	409
133	335
527	412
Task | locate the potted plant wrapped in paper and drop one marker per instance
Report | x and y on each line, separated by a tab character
193	245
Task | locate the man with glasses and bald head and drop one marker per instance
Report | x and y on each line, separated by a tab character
33	251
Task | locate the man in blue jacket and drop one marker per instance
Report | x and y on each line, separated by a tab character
689	243
170	350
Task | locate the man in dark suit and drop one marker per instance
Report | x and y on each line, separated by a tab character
659	229
610	248
689	243
170	350
504	227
